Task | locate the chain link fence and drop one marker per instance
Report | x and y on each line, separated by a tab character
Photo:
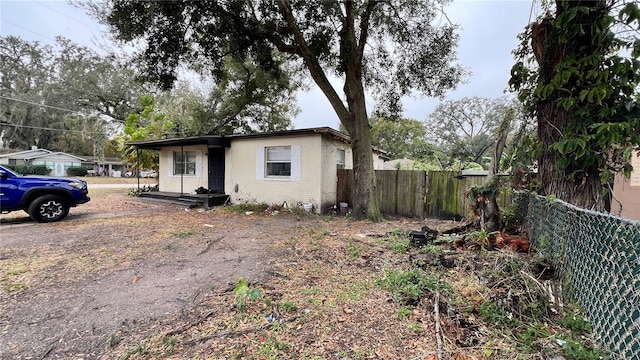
597	259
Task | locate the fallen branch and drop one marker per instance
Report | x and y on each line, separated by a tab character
227	334
209	243
190	325
436	315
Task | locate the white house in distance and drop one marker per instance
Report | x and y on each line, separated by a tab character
293	166
58	162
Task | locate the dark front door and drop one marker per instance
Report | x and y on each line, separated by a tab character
216	169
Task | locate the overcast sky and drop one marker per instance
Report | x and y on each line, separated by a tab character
488	35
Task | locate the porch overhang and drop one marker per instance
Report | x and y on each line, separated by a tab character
209	140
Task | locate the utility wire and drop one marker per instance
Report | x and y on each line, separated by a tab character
50	129
63	14
24	28
41	105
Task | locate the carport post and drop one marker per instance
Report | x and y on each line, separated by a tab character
182	172
138	162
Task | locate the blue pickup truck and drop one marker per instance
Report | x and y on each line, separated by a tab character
44	198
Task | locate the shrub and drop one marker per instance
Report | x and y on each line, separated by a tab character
77	171
30	169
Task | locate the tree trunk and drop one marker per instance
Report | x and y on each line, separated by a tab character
354	116
583	188
365	198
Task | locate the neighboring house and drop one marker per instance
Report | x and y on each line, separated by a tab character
106	167
293	166
57	162
627	193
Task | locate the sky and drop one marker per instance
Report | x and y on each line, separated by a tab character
488	35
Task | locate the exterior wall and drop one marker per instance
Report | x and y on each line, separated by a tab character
168	181
58	163
244	174
329	170
627	191
378	162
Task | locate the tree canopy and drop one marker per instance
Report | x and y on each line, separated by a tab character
53	96
401	138
391	47
578	75
466	129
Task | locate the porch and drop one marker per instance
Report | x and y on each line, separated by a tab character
190	200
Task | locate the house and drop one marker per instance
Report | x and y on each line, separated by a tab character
627	192
57	162
108	166
293	166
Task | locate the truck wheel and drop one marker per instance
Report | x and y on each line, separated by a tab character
48	208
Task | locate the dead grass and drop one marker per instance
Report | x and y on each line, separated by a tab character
325	301
121	180
338	290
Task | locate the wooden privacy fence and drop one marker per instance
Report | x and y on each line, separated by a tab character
417	193
400	192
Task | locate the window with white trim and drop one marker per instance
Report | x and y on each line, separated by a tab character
340	158
278	161
184	162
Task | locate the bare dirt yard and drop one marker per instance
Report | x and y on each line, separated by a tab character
121	278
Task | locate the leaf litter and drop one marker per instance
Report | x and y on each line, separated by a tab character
334	289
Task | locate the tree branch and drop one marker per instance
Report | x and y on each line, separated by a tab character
311	61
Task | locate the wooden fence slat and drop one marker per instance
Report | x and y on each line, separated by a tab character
416	193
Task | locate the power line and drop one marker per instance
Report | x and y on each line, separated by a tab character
48	128
24	28
41	105
63	14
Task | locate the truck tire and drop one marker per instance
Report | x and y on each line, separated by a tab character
48	208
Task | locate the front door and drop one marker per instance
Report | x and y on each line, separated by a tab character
216	169
58	169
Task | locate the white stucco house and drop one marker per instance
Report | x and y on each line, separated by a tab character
293	166
58	162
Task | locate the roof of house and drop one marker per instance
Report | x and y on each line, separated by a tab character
37	154
220	140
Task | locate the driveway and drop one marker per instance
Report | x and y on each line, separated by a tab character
114	265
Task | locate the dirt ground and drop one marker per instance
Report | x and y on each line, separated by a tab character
122	278
117	262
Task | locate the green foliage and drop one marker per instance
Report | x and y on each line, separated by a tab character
29	169
169	343
496	315
401	138
576	351
584	91
354	251
400	245
77	171
408	286
288	306
245	207
243	293
574	322
83	92
465	129
404	312
146	124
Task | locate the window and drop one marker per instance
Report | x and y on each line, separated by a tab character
184	162
340	158
278	160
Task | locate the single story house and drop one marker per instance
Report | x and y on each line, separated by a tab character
293	166
58	162
114	167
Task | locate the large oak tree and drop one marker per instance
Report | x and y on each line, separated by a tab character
578	74
394	47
